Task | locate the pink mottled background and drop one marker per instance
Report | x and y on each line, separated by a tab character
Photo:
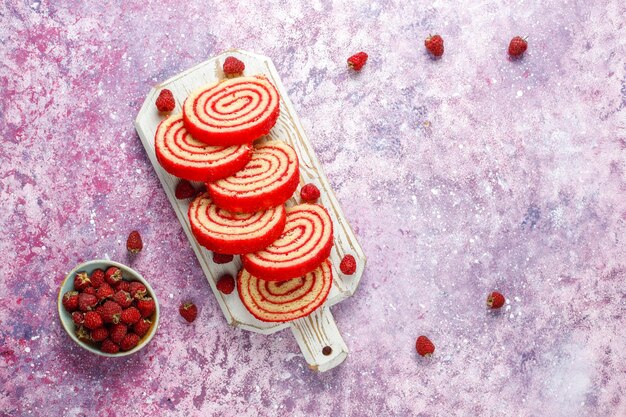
459	176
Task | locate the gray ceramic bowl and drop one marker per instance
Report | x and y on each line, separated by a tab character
128	274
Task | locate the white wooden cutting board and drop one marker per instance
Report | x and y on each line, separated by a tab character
317	330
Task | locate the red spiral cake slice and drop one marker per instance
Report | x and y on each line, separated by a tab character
285	300
231	233
304	244
233	111
268	180
183	156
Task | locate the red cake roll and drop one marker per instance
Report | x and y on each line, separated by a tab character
285	300
183	156
268	180
231	233
304	244
233	111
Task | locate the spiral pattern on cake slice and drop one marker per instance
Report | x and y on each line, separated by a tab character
285	300
183	156
268	180
234	233
233	111
304	244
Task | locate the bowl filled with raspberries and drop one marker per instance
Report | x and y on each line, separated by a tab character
108	308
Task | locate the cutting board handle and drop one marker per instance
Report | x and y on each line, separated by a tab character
319	340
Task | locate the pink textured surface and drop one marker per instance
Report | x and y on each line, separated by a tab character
460	176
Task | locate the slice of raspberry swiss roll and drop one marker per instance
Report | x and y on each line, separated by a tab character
268	180
233	111
281	301
304	244
185	157
234	233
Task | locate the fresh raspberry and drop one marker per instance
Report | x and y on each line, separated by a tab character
219	258
113	275
97	278
165	102
90	291
86	302
123	298
130	315
129	341
117	332
434	45
310	193
78	318
226	284
233	66
146	306
105	291
99	334
81	281
142	327
348	265
123	285
357	61
518	46
108	346
189	311
184	190
134	243
70	301
93	320
424	346
137	289
111	312
83	334
99	309
495	300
